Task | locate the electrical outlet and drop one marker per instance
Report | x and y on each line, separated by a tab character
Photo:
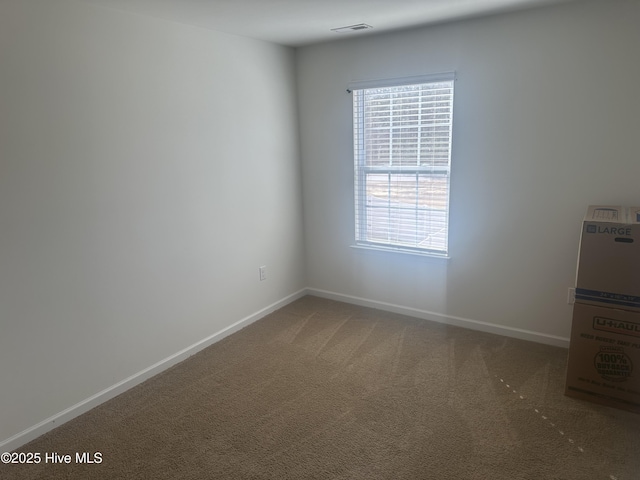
571	296
263	273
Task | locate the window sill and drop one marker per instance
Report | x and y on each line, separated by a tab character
426	255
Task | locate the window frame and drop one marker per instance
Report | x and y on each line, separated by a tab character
362	170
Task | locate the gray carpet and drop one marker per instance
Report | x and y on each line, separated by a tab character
326	390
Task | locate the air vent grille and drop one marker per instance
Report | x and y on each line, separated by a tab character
352	28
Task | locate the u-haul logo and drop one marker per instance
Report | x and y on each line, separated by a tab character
616	326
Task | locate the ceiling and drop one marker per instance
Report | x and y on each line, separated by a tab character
302	22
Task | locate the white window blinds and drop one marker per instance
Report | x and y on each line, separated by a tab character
402	150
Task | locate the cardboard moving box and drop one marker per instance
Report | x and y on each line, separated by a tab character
609	258
604	357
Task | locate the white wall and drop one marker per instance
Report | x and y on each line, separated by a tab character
545	123
147	169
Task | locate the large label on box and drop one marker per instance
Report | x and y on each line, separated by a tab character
609	258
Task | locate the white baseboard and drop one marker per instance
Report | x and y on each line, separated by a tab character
446	319
58	419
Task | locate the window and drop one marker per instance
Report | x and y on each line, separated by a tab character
402	157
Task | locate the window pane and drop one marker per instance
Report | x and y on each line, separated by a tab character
402	159
408	210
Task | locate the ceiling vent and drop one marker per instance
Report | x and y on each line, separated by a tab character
352	28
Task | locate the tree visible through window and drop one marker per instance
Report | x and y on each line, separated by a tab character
402	150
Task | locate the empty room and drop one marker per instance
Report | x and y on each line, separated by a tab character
264	239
